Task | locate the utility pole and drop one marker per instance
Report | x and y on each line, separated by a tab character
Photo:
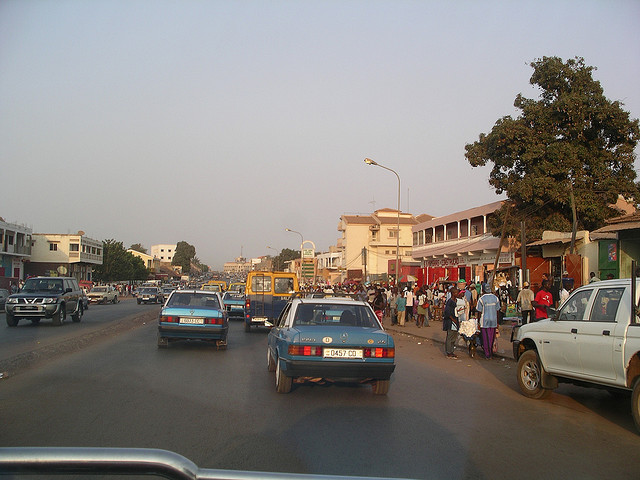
523	252
364	260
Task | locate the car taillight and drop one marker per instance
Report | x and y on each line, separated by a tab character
247	304
305	350
213	321
169	319
379	352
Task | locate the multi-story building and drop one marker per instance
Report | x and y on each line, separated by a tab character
152	263
239	267
15	250
458	246
72	255
164	252
370	241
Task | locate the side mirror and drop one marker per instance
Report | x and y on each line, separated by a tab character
68	290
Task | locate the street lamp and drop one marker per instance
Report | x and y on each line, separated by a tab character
277	269
301	244
368	161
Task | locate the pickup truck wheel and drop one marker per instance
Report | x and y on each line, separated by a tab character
380	387
247	327
139	301
635	403
283	383
271	364
115	300
59	317
530	376
12	321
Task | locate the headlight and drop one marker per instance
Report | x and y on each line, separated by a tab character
49	300
12	300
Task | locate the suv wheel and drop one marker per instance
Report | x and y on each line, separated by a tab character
59	317
79	312
12	321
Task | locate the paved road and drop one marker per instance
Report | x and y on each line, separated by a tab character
441	419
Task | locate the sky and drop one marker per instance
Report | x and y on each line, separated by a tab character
222	123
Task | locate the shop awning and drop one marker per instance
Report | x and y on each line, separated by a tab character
550	241
462	246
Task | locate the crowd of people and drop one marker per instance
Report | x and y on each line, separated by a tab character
467	310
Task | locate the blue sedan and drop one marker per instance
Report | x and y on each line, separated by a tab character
193	315
330	340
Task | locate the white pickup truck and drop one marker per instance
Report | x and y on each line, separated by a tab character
592	340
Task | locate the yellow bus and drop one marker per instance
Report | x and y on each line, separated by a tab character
266	294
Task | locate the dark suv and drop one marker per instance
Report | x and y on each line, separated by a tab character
46	297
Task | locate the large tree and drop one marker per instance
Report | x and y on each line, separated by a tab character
572	146
183	255
285	255
118	264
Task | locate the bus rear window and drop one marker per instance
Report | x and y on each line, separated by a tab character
261	284
283	285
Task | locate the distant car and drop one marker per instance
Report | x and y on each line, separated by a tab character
166	291
193	315
4	293
234	304
149	295
330	340
85	299
45	297
103	294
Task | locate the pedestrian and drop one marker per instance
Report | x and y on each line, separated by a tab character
450	324
542	301
379	304
564	294
525	297
488	307
401	305
429	313
503	295
593	278
410	301
422	309
393	308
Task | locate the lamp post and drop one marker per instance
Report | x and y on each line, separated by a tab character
301	244
277	269
368	161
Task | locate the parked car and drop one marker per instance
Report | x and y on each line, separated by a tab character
45	297
592	340
149	295
103	294
4	293
330	340
193	315
85	299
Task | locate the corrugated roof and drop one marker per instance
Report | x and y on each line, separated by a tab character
616	227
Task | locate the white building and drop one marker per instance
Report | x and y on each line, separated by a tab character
164	252
72	255
15	250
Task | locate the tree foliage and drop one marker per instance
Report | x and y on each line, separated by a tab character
571	139
285	255
118	264
138	248
183	255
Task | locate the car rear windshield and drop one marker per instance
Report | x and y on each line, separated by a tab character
335	315
99	289
151	291
191	299
33	285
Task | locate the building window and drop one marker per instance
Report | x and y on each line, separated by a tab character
392	233
53	247
74	247
374	236
428	237
474	230
9	239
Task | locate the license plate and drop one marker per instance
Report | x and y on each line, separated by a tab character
259	319
30	308
192	321
236	307
342	353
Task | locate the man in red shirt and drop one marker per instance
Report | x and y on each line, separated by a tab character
543	300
